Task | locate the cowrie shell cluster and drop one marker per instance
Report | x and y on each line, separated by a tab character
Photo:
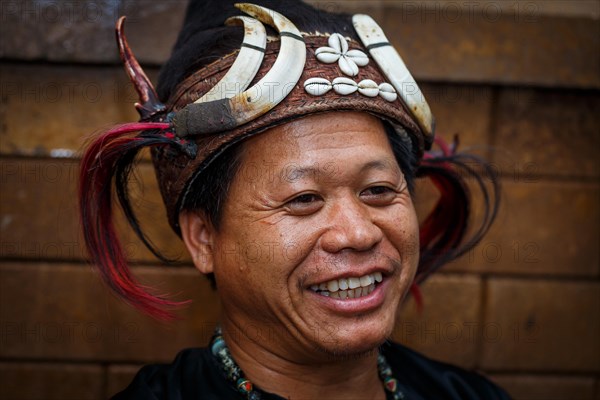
348	60
345	86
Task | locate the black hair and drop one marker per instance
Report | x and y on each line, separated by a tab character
209	192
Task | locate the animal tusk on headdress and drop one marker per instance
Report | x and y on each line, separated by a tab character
246	64
394	69
149	103
224	114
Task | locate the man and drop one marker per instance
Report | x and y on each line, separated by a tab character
308	143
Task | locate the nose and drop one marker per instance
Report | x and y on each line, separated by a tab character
350	226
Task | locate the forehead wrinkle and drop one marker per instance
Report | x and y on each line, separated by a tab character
383	164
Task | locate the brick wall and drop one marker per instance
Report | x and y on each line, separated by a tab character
518	81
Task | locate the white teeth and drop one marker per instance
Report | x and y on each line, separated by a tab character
351	288
365	280
353	283
332	286
343	284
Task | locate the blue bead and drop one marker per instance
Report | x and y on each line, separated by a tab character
217	345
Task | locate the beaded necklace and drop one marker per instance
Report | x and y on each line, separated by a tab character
236	376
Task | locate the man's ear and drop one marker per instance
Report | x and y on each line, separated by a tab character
198	236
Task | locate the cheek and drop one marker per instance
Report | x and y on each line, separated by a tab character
402	230
289	243
411	234
262	254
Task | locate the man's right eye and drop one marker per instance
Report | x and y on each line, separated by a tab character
305	204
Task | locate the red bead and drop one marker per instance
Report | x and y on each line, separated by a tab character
244	385
391	384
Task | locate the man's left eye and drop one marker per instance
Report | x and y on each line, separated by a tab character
378	190
378	195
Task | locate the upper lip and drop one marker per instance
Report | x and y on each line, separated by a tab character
352	273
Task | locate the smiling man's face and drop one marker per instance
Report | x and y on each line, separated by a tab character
318	241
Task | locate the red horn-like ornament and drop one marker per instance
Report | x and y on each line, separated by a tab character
149	103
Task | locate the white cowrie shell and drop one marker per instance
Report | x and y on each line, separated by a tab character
348	66
338	42
360	58
317	86
368	88
388	92
344	86
344	80
327	55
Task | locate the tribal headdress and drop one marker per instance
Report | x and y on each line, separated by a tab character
208	105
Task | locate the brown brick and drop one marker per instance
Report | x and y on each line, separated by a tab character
38	208
83	31
462	110
149	45
542	325
542	228
441	44
54	110
448	327
119	377
546	387
532	8
43	191
548	132
31	381
63	312
56	31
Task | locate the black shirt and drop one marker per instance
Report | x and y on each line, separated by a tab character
194	374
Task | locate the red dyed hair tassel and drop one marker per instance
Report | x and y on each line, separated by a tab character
108	153
443	230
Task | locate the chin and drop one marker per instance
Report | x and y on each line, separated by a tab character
354	342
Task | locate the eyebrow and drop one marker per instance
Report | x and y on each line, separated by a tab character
300	172
380	165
